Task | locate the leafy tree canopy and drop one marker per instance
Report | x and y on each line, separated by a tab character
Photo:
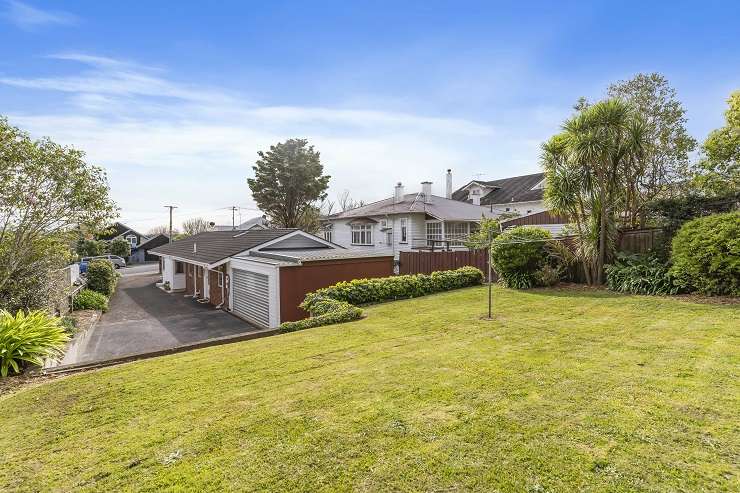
288	181
718	172
47	194
664	160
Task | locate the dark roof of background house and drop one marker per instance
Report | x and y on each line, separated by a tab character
154	242
507	190
117	229
212	246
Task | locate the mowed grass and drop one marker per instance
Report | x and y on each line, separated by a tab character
566	390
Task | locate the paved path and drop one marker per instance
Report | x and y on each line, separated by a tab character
143	318
138	269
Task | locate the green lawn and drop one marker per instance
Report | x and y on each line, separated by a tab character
564	391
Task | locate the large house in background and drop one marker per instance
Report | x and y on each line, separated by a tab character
120	230
522	195
406	221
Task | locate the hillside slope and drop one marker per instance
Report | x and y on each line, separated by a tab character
565	390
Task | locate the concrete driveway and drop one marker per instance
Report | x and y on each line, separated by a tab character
142	318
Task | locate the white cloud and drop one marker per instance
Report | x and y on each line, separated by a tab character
29	18
167	142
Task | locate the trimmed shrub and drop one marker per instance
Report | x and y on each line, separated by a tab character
325	312
519	255
706	255
29	339
336	304
364	291
120	247
87	299
640	274
101	277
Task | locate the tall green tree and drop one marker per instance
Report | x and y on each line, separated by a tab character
718	171
663	163
289	182
590	161
48	194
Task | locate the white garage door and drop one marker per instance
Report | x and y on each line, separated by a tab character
251	296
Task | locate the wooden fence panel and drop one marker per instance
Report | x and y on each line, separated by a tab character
423	262
639	240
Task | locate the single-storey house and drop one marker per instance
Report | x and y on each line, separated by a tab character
262	275
141	252
522	195
405	222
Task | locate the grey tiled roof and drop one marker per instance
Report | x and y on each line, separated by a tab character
507	190
213	246
438	207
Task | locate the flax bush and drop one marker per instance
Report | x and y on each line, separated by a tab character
29	338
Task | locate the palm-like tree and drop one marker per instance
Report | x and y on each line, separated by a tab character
588	167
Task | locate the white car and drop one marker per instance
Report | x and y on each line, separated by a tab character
117	261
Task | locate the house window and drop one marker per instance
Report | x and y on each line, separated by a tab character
404	230
508	209
220	280
434	231
179	267
362	234
132	240
457	232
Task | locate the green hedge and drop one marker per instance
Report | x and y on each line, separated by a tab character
101	277
88	299
336	304
325	312
706	255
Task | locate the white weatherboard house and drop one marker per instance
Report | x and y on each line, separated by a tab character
522	195
406	221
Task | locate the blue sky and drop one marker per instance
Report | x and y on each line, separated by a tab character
175	99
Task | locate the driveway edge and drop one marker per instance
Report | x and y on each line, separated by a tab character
216	341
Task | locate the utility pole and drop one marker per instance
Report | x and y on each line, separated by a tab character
170	207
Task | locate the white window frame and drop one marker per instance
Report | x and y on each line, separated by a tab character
364	233
435	235
132	240
404	228
457	232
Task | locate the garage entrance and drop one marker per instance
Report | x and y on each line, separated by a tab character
251	296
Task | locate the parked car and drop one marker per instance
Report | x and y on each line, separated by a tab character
117	261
